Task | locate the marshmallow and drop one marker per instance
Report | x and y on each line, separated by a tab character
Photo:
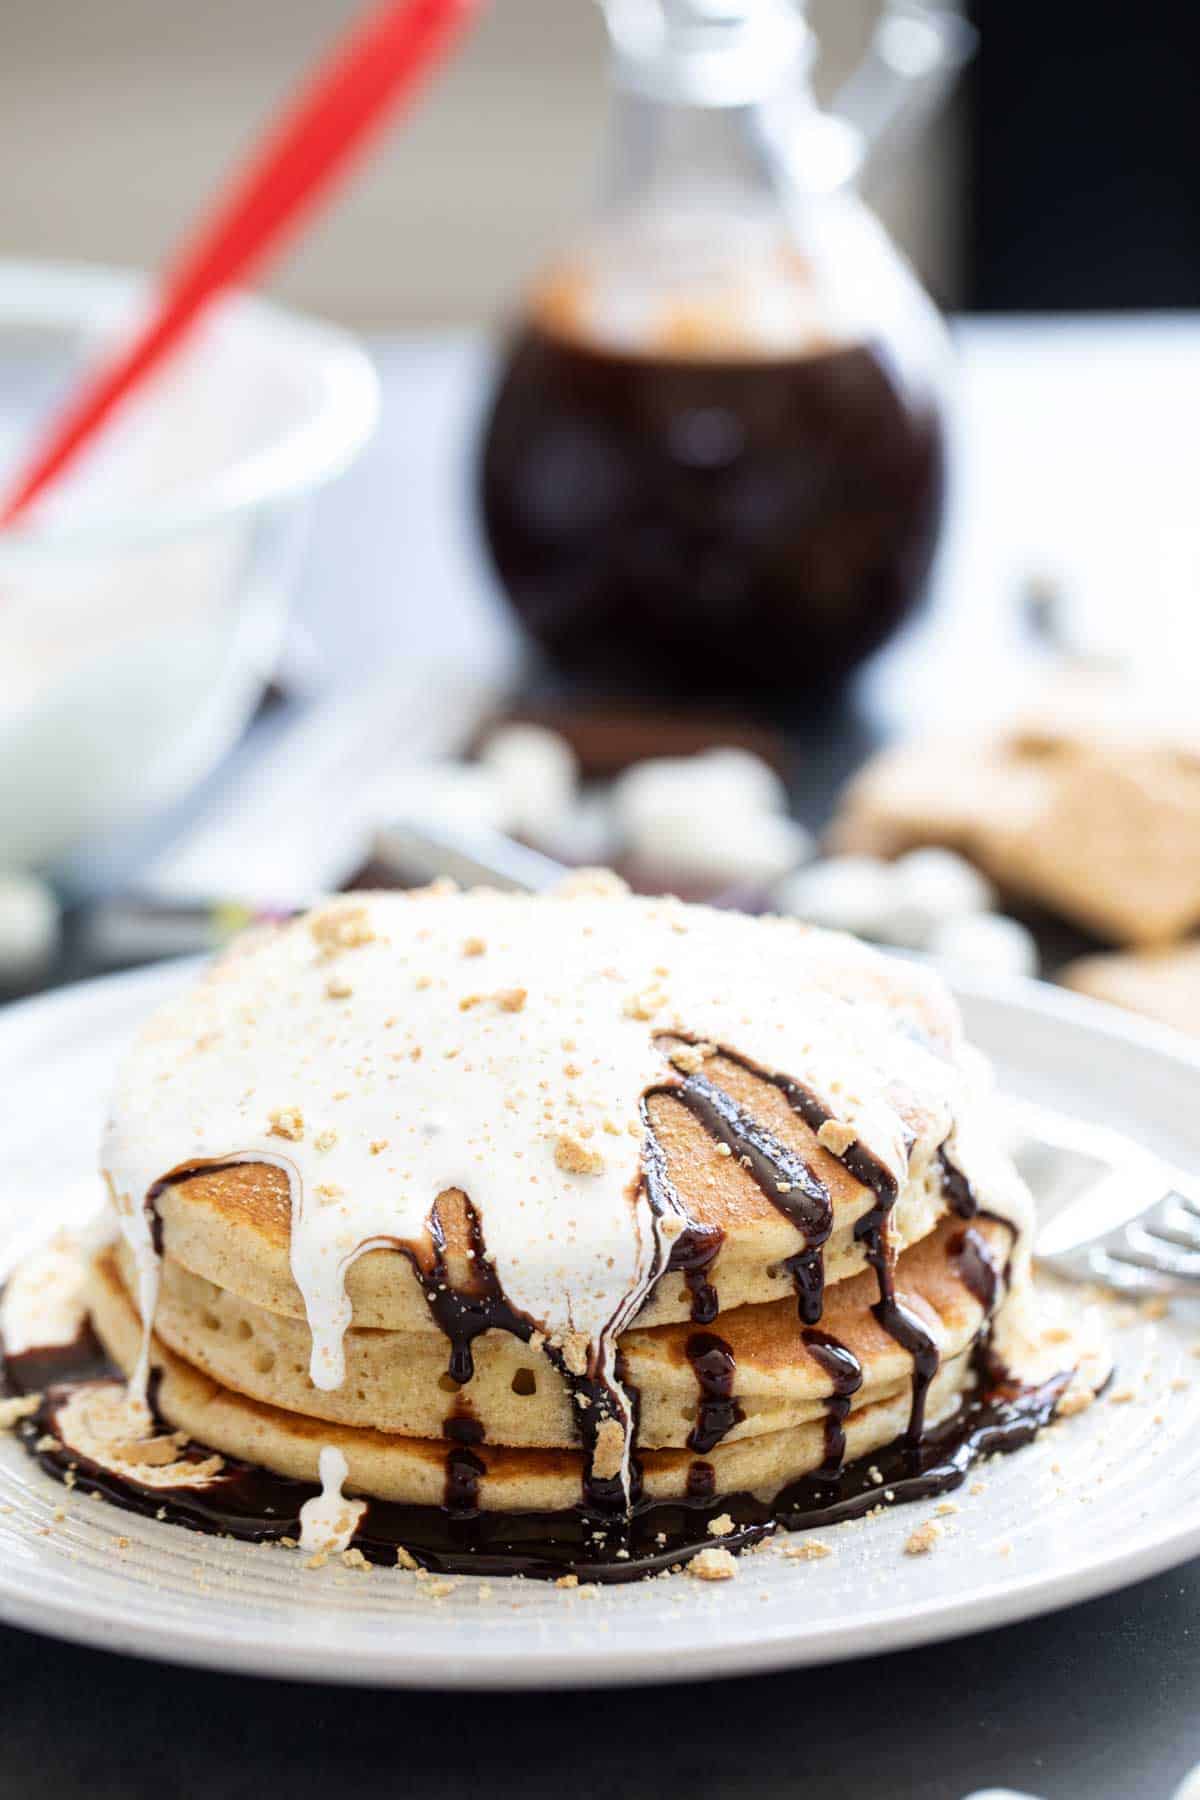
843	893
929	889
29	928
989	942
725	781
723	848
538	776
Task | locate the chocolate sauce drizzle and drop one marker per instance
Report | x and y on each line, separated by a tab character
956	1187
784	1178
845	1372
696	1247
252	1504
718	1412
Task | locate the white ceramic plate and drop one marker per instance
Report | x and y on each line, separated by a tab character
1098	1502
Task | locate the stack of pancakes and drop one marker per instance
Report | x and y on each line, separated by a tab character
234	1347
725	1376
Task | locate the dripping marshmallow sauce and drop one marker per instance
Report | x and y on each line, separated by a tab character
873	1074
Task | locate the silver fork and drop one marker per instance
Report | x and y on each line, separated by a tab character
1112	1212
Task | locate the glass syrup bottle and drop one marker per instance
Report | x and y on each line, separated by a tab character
714	462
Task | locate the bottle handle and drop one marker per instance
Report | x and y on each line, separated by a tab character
914	57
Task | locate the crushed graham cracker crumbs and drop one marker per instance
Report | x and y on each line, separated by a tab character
1121	1397
511	1000
811	1550
836	1137
721	1526
691	1058
947	1509
474	946
338	988
317	1560
923	1539
286	1122
1155	1306
354	1559
154	1452
567	1581
575	1158
13	1411
609	1453
379	1145
712	1565
337	928
590	884
574	1346
405	1558
325	1140
1075	1400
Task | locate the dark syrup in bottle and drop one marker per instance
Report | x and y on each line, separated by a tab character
711	522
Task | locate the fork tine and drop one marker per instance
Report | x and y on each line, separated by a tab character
1136	1279
1173	1226
1095	1265
1147	1251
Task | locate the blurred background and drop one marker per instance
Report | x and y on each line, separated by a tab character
1070	136
633	438
485	180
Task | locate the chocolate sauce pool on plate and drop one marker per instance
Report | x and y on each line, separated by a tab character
254	1505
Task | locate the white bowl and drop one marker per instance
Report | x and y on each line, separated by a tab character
141	606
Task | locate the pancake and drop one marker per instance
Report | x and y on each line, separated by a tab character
232	1224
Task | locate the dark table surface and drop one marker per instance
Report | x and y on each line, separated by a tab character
1101	1702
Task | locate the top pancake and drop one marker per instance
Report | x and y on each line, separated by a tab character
232	1224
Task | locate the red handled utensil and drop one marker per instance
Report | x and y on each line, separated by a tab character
379	64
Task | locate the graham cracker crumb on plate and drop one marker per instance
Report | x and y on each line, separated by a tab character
474	946
721	1527
1075	1400
13	1411
947	1509
923	1539
1155	1306
811	1550
712	1565
1121	1397
512	1000
405	1558
317	1560
286	1122
567	1581
690	1058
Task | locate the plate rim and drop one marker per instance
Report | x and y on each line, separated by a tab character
744	1651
